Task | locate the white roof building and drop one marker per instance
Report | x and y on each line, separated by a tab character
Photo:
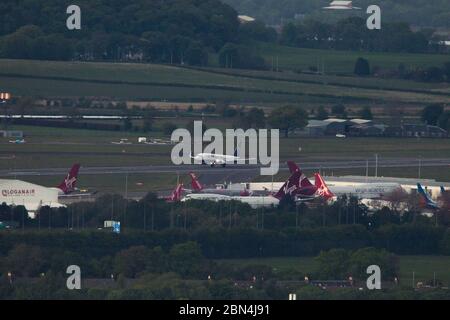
341	5
29	195
245	19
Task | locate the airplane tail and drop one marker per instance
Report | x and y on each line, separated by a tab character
196	185
176	194
289	187
292	167
69	183
425	198
304	181
322	188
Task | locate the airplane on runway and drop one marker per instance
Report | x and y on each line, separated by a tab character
197	187
287	190
18	141
213	159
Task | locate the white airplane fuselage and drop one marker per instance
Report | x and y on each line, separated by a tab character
366	190
254	202
213	159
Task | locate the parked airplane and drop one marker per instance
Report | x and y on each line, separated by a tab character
68	185
288	189
18	141
425	198
375	190
68	189
176	194
213	159
197	187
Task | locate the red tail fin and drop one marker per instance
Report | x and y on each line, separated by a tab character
176	194
322	188
69	183
304	181
196	185
290	186
292	166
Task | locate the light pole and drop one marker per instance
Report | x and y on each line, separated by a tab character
4	98
420	167
376	165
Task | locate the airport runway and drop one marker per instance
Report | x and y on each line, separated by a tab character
231	172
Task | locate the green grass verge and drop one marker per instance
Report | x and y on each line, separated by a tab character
422	266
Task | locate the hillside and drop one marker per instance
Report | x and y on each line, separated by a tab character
174	83
424	13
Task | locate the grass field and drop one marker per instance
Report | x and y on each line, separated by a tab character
162	82
422	266
335	61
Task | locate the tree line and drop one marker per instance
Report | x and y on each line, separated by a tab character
222	228
175	31
352	34
186	32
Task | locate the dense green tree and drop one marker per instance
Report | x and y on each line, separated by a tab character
131	262
322	113
24	260
339	110
159	31
431	114
238	56
366	113
362	258
362	67
333	264
288	118
186	259
447	71
168	128
444	120
253	118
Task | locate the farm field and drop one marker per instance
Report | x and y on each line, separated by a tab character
162	82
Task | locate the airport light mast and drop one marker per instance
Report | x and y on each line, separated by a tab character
4	98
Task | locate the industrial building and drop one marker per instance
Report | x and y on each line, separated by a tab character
367	128
29	195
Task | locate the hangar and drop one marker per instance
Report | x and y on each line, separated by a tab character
29	195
